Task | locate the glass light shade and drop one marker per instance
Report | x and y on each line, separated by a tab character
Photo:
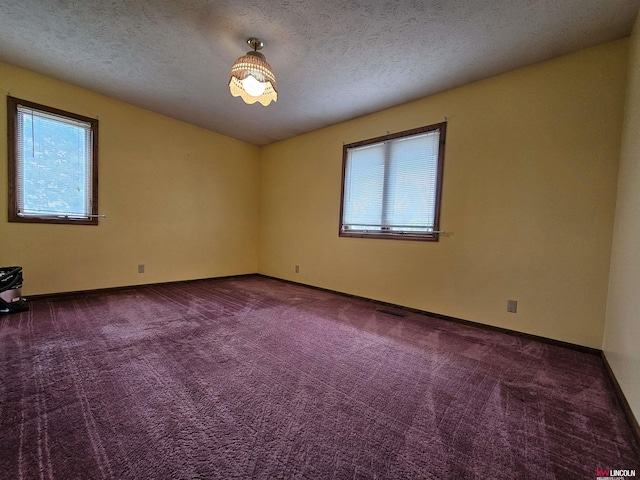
253	64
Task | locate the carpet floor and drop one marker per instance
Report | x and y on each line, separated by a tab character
254	378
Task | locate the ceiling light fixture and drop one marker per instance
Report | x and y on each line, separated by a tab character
252	78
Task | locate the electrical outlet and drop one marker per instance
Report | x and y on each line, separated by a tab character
512	306
141	268
297	268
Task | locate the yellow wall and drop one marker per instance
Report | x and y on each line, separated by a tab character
528	198
622	328
180	199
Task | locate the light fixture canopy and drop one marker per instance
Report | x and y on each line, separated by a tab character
252	78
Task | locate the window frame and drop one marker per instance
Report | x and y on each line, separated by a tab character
394	235
12	143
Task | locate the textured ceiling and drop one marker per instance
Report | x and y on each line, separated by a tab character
334	59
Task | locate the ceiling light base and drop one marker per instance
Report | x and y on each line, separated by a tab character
255	43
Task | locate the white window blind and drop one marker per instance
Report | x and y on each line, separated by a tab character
53	165
392	186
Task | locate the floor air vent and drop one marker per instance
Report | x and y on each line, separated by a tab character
391	312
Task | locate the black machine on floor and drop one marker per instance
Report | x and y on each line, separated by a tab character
11	300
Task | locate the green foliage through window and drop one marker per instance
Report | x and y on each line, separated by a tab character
53	155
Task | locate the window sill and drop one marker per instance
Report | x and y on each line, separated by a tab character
431	237
53	220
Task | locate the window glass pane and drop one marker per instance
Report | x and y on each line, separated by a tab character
53	165
363	189
413	163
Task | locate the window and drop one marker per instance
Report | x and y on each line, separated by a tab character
53	165
392	185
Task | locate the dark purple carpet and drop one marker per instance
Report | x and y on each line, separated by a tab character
255	378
